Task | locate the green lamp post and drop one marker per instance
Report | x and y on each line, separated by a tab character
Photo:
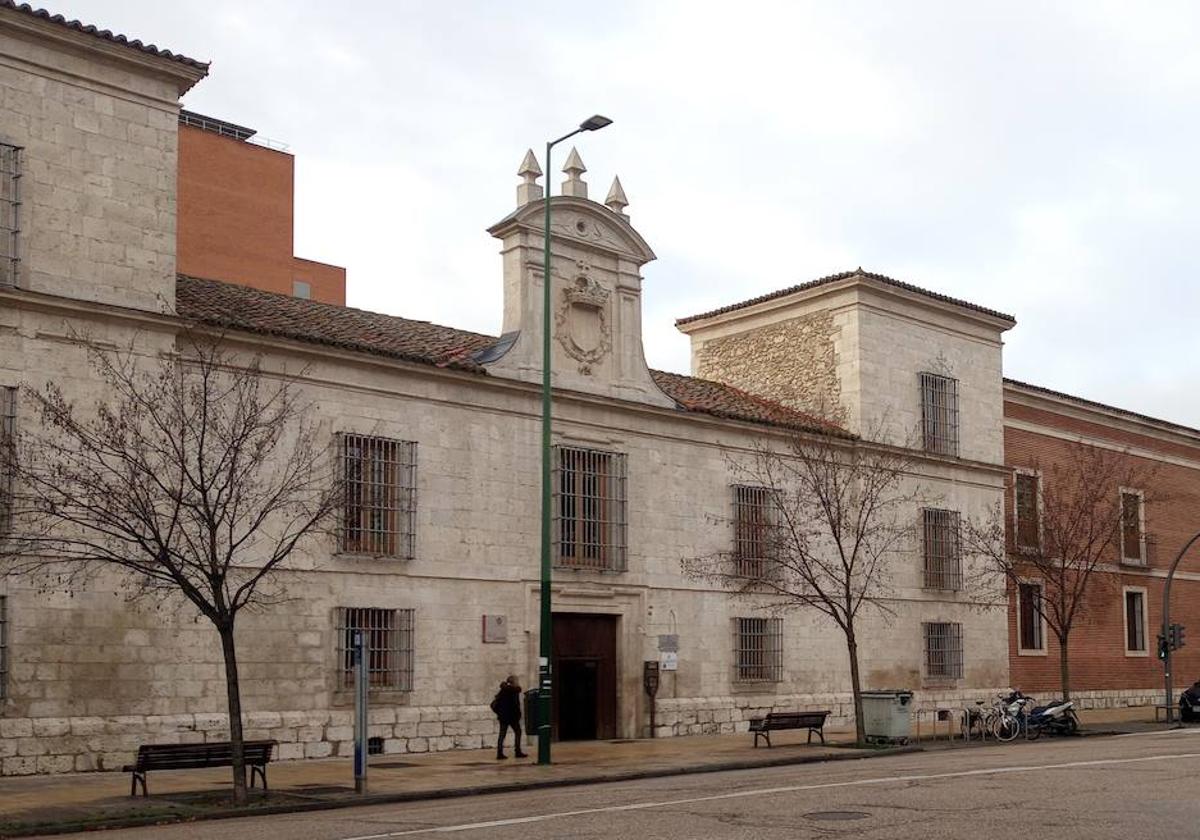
545	678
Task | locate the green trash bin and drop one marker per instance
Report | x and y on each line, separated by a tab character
887	716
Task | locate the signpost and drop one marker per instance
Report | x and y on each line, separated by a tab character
360	711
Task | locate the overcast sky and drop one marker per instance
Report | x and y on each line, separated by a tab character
1036	158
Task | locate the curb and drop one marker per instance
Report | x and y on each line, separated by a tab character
448	793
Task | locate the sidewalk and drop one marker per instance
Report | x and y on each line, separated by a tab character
96	799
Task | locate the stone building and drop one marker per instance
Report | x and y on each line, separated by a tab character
443	569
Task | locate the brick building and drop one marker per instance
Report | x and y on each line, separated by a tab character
1113	650
236	200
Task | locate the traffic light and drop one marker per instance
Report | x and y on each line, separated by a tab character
1176	636
1162	647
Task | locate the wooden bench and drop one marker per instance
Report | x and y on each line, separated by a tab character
191	756
774	721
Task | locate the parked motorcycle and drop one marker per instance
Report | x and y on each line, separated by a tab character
1056	718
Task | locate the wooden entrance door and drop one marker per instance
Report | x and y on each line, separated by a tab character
585	677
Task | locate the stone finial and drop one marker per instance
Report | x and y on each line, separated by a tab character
574	185
616	201
530	190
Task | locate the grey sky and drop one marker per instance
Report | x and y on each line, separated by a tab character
1034	158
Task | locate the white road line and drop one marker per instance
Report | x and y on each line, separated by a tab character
642	806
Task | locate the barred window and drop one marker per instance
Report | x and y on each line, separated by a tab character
939	413
389	640
943	650
943	549
589	509
8	452
3	647
1029	614
10	213
758	649
755	523
1028	510
1133	539
380	503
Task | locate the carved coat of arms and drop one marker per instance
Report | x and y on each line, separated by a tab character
581	323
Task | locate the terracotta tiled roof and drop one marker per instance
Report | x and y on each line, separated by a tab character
104	34
242	308
845	275
720	400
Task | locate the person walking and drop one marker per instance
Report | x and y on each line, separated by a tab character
507	706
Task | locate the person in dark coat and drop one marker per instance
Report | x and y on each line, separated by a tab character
507	706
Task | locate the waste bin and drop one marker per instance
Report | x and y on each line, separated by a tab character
531	714
887	716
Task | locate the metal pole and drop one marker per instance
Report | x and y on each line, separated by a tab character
360	712
1166	628
544	656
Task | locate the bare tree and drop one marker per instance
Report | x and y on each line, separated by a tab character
1070	519
826	518
195	474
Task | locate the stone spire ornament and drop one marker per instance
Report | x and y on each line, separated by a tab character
530	190
574	185
616	201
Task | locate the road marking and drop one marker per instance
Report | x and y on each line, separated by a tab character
881	780
1160	734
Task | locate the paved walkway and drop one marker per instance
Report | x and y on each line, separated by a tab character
101	797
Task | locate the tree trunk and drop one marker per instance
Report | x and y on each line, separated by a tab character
234	695
1064	668
860	736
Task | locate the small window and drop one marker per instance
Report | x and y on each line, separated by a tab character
1135	621
943	552
939	413
8	452
4	668
1027	507
589	509
301	289
943	650
388	635
1029	610
758	649
10	213
754	531
1133	537
380	497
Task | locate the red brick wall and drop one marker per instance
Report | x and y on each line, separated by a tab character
1097	643
235	217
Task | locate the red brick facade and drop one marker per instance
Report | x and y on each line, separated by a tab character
1040	427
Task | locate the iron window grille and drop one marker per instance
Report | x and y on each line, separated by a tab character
943	549
1026	490
943	650
757	649
8	452
1029	605
3	648
1135	621
389	641
939	413
1133	540
10	213
589	509
755	531
380	497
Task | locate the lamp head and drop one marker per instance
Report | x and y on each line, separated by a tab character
594	123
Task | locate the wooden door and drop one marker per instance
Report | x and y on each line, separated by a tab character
585	677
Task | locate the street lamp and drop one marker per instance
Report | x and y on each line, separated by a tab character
1166	629
593	123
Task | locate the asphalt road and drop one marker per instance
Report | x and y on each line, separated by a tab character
1124	787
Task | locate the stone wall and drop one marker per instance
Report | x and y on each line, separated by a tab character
793	362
